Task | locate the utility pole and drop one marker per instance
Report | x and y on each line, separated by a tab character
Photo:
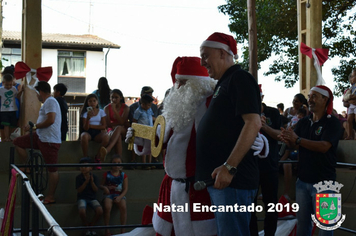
252	37
90	28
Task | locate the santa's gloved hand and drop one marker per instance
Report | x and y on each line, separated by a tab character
129	134
257	145
260	145
265	150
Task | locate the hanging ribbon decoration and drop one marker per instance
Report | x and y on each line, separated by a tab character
320	55
41	74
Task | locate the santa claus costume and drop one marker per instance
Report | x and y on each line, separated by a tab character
183	110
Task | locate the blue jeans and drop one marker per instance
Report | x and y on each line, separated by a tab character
232	223
82	203
305	197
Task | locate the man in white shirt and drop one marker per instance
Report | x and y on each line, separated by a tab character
47	136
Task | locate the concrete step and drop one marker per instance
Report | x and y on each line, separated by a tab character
347	177
143	190
67	216
143	184
70	152
349	209
346	151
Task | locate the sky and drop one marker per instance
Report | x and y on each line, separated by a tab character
152	34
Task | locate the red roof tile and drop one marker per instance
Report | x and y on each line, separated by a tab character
69	39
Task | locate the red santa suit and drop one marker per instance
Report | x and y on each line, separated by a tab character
177	185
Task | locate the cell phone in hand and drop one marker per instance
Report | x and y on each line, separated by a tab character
89	109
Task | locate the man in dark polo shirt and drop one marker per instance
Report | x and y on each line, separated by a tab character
226	133
317	137
271	128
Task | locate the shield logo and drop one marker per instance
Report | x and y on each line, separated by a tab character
216	92
328	205
318	131
328	208
268	121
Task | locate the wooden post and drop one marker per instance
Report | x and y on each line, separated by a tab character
252	38
309	32
31	45
1	30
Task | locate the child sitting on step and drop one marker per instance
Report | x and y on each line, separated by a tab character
115	186
87	185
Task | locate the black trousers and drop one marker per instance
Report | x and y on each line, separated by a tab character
269	190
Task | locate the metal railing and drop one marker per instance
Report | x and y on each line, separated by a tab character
28	194
54	228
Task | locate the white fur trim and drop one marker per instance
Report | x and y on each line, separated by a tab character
166	132
191	77
201	227
176	155
161	226
214	44
266	146
181	220
146	148
321	91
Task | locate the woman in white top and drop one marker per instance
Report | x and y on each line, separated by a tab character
299	101
92	127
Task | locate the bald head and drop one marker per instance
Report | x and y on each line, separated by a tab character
216	61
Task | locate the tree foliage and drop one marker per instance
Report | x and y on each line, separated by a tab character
277	33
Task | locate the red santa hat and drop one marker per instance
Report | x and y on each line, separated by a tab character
323	90
188	68
222	41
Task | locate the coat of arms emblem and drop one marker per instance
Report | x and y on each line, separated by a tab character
328	205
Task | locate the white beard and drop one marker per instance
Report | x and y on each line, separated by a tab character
180	106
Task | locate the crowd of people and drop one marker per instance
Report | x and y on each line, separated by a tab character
218	132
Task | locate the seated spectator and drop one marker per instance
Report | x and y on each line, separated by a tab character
300	114
299	101
344	114
115	186
351	111
103	92
92	127
59	90
280	107
87	186
117	114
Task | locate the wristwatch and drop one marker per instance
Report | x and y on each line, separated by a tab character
298	140
232	170
34	126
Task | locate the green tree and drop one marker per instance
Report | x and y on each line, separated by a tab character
277	33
